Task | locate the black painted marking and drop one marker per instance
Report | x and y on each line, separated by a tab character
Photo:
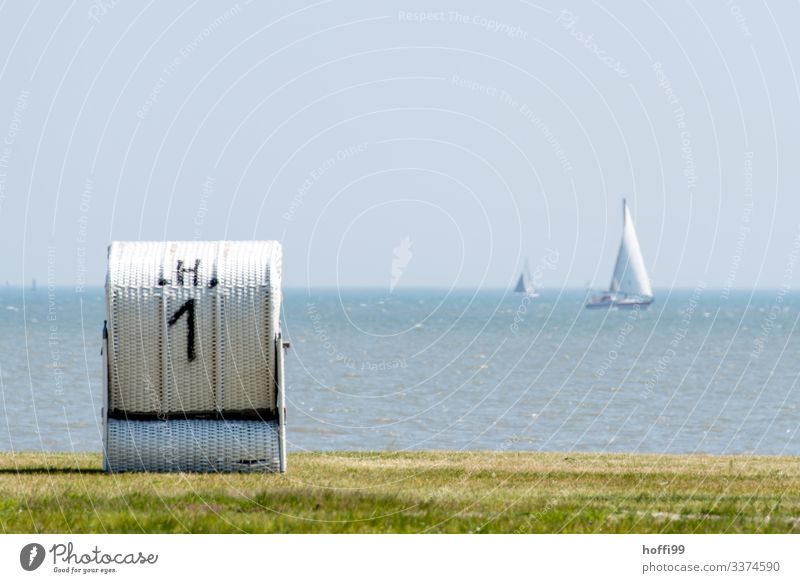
188	306
163	281
213	283
229	415
181	270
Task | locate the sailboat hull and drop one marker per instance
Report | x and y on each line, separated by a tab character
633	303
608	301
595	305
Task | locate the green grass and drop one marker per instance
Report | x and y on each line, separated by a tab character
411	492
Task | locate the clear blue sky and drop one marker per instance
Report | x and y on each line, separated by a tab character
454	137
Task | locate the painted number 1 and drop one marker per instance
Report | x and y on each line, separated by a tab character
186	308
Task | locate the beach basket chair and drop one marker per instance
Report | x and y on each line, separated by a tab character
193	357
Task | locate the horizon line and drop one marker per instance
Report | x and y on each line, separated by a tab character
42	287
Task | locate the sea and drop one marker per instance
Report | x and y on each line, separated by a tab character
700	371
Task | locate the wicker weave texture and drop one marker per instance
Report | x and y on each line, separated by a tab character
192	446
193	326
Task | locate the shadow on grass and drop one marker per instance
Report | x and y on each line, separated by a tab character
4	471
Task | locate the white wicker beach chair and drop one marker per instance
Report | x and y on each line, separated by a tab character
193	357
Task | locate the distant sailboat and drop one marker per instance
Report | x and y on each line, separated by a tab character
630	285
525	283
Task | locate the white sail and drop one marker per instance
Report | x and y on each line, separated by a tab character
630	274
525	281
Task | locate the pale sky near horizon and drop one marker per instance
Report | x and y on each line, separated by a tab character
424	144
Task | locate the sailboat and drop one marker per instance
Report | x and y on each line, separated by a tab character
630	286
525	283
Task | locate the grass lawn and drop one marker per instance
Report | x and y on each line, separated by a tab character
434	492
